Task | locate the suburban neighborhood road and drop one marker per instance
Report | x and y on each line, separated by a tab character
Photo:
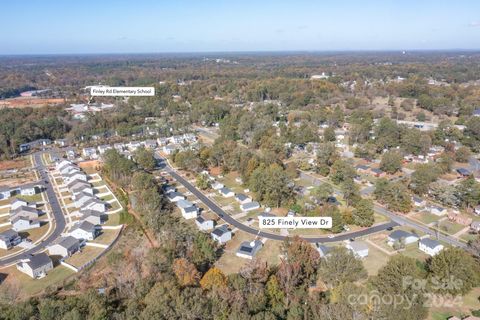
56	212
273	236
399	219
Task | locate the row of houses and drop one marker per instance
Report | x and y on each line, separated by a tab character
28	189
24	215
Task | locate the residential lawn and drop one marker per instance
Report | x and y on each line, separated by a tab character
413	252
229	262
35	234
4	219
107	197
469	236
467	303
271	252
380	218
98	184
31	286
450	227
86	255
106	237
375	260
426	217
35	198
114	206
4	202
113	219
89	170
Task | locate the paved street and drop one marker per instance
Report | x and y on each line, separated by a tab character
399	219
59	223
239	225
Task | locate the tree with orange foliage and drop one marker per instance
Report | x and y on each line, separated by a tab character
213	279
186	272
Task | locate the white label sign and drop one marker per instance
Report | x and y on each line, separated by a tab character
122	91
295	222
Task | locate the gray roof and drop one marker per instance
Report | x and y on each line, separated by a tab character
174	194
241	197
219	231
358	246
200	219
430	243
225	190
67	242
184	203
417	199
9	234
250	205
190	209
89	212
250	248
38	260
400	234
86	226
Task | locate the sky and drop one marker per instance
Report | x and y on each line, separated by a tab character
144	26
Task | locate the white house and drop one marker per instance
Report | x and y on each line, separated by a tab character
92	216
418	202
5	192
430	246
29	189
242	199
94	204
90	153
17	203
175	196
84	231
24	211
217	185
221	234
74	175
64	247
24	223
477	210
439	211
226	192
204	224
248	249
358	248
82	198
36	266
9	238
249	206
189	211
402	236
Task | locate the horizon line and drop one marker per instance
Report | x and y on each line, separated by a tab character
240	52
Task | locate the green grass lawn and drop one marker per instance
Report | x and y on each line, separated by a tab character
413	252
469	236
450	227
375	260
106	237
466	304
87	254
31	286
35	198
113	220
426	217
108	197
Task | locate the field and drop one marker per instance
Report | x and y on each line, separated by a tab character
87	254
30	102
29	286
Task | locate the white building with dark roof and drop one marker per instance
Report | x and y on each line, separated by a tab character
248	249
64	247
399	236
23	223
226	192
36	266
84	231
430	246
204	224
249	206
358	248
9	238
221	234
